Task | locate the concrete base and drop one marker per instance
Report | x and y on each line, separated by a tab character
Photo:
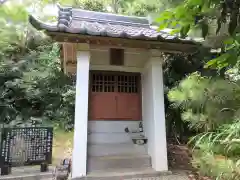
118	162
122	174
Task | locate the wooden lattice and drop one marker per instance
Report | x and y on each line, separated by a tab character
122	83
103	82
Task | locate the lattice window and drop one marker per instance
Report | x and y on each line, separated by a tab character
103	82
109	82
128	83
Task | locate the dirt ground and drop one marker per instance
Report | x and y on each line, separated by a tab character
62	146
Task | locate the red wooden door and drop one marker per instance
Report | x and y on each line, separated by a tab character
103	106
128	97
128	106
115	96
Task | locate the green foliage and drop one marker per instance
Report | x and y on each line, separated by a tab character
207	15
93	5
211	106
138	7
217	153
175	68
200	12
206	102
217	167
230	57
128	7
34	88
223	141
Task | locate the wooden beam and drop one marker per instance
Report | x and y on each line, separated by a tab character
170	47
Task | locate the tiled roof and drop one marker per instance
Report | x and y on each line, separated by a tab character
77	21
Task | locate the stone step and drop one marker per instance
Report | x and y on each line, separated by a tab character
109	137
115	149
126	174
118	162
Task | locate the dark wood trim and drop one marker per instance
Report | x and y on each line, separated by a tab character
164	46
115	72
89	94
62	57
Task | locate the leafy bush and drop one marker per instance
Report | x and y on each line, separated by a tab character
215	166
211	106
35	89
175	68
206	102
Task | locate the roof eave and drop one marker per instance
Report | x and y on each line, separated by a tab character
164	46
39	25
59	34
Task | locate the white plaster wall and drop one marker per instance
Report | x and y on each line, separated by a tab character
147	107
134	59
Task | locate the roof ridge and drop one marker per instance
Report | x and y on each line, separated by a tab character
107	13
111	22
94	16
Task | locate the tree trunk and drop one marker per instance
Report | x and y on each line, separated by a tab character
115	6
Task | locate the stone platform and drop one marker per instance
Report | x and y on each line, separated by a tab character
28	173
135	174
33	173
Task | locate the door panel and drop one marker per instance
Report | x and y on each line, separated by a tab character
103	106
128	106
115	96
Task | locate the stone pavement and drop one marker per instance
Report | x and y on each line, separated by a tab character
179	176
32	173
176	175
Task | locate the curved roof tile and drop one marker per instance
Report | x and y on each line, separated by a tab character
84	22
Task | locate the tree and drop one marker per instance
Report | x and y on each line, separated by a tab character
143	7
32	85
208	103
203	15
128	7
175	68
